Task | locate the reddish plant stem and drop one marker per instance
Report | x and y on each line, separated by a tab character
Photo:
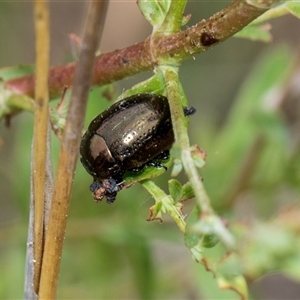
118	64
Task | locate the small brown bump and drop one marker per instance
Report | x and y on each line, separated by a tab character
39	16
207	39
40	102
124	60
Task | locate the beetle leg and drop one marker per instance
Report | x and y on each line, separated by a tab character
156	164
98	190
95	186
137	169
189	110
111	189
156	161
106	187
164	155
110	198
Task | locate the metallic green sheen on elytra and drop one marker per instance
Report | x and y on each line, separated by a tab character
124	137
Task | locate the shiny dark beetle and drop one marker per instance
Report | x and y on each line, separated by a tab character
126	137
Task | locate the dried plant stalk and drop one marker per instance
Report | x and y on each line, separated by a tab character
40	133
69	152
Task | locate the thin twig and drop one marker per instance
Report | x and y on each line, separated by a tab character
41	116
69	151
181	137
135	59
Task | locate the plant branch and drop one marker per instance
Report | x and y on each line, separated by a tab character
174	17
181	137
69	151
167	203
207	214
40	136
135	59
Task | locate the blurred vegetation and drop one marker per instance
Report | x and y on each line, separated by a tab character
251	175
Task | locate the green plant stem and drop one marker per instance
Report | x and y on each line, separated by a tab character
181	137
167	203
174	17
21	102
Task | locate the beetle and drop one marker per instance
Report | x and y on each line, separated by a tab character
131	134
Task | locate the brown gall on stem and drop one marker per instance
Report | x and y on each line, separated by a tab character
207	39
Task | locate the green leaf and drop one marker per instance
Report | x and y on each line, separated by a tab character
185	19
176	154
177	167
187	191
235	283
256	32
156	211
154	11
270	14
11	103
199	232
229	275
209	241
16	71
192	238
175	189
198	156
148	172
294	8
155	85
197	253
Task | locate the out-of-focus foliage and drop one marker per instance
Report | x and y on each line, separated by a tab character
258	30
251	175
113	246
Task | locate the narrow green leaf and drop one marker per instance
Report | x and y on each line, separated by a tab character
154	11
256	32
175	189
177	167
187	191
294	8
209	241
155	84
185	19
147	173
236	283
198	156
229	275
16	71
192	238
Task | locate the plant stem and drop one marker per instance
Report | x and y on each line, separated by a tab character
174	17
40	130
135	59
69	152
160	196
181	137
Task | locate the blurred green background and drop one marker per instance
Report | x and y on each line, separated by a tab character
111	251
